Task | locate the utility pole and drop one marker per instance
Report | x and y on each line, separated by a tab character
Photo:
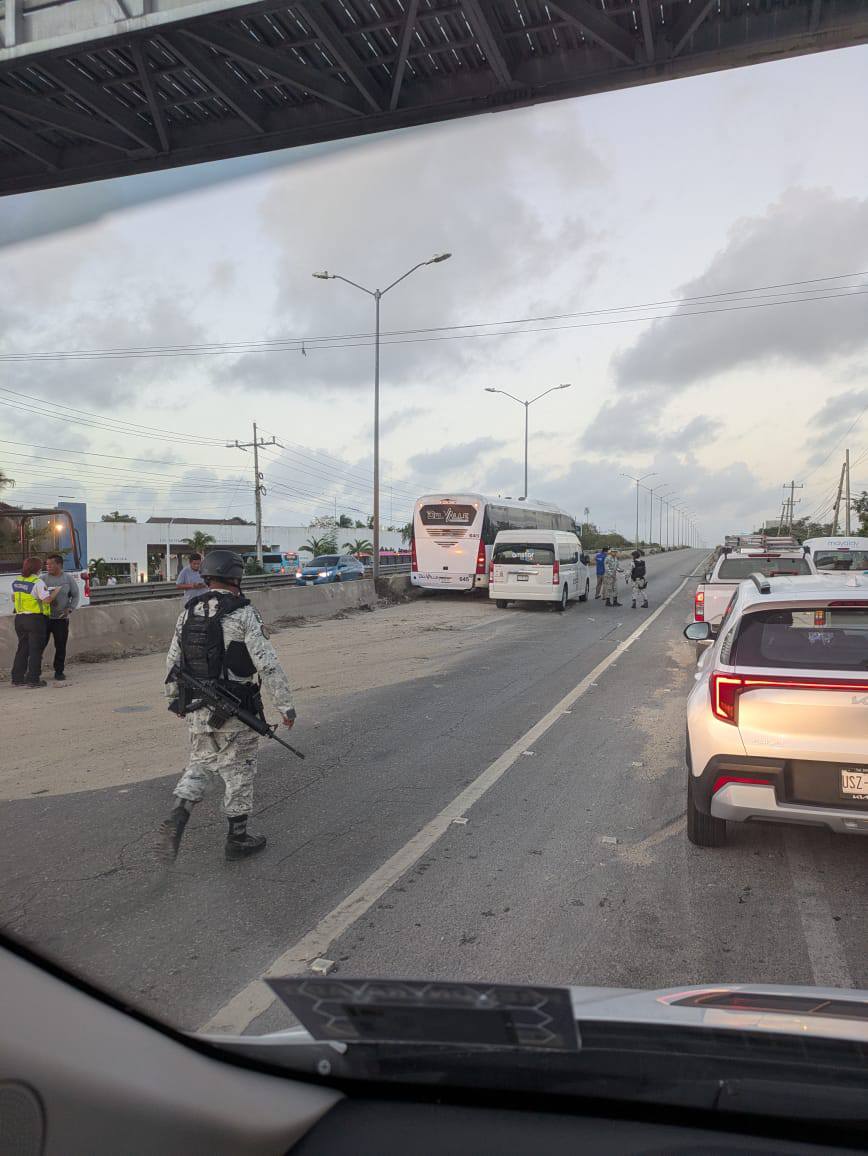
792	501
258	487
847	492
837	515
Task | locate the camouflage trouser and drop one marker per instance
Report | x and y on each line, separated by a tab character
609	587
230	754
640	593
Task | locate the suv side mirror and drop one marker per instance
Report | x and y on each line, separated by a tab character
698	631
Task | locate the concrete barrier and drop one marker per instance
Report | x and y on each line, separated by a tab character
100	633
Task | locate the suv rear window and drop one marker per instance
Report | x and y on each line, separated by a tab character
768	567
809	639
524	554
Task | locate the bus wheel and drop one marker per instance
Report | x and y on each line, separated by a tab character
565	598
500	603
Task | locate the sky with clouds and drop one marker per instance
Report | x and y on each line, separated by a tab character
649	230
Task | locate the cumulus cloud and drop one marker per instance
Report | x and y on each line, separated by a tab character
372	214
633	426
833	421
807	232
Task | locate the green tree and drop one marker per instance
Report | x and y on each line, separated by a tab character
359	546
252	567
360	525
117	516
200	542
345	522
317	546
5	481
99	568
407	532
860	509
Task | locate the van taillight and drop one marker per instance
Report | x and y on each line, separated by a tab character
413	565
480	559
556	573
699	606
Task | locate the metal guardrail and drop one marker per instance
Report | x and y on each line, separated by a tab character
147	591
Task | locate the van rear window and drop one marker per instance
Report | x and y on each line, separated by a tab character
524	554
822	638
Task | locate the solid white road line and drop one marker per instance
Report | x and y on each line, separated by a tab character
255	998
828	963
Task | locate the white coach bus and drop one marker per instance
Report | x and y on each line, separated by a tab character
841	553
453	535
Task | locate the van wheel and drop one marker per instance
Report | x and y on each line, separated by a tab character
565	599
702	830
500	603
584	597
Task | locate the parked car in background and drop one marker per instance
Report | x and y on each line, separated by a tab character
329	568
276	563
777	724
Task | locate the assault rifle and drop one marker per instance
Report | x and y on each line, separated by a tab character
225	705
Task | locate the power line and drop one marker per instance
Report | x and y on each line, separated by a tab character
452	332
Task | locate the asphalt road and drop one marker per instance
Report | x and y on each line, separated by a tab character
572	867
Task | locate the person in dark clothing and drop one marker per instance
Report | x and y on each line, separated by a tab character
639	580
65	601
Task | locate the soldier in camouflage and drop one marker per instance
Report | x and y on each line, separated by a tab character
226	751
610	579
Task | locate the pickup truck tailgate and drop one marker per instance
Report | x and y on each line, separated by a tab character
712	599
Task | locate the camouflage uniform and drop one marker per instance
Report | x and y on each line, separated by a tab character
230	752
610	578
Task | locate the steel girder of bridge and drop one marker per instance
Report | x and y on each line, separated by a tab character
91	89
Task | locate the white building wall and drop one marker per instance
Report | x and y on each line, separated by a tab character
127	543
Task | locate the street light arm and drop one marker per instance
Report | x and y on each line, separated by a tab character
506	394
539	395
355	284
403	277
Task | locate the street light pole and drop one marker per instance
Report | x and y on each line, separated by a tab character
660	490
527	405
638	481
377	295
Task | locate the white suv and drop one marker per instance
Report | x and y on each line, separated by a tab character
777	724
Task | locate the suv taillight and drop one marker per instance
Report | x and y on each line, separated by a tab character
556	573
727	689
480	559
413	565
699	606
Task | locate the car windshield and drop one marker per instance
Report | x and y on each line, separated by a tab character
523	554
815	638
737	568
278	282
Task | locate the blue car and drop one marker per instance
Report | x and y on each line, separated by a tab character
329	568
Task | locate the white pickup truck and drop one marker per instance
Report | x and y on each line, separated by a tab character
714	593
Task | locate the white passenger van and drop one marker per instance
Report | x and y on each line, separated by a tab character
846	552
538	566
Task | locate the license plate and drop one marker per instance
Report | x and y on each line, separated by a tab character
521	577
854	782
309	582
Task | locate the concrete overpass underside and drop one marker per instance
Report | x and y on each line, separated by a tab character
91	89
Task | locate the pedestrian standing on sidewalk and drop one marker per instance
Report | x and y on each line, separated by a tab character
610	579
31	600
600	560
66	600
638	580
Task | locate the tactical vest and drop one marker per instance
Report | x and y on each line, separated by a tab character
204	653
24	600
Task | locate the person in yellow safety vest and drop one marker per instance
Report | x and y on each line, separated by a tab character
32	601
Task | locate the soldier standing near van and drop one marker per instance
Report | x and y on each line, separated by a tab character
219	639
638	580
610	579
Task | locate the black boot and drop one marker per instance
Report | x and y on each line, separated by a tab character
238	843
608	601
171	832
617	603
